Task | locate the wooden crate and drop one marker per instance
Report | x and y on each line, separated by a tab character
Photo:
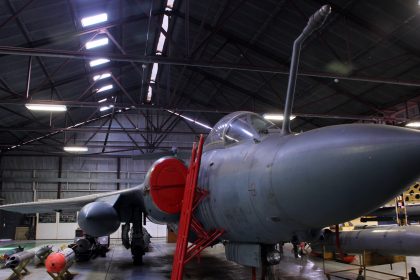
21	233
171	237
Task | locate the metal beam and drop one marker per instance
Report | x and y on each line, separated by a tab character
95	132
129	136
60	171
124	145
109	128
392	37
28	38
67	36
15	14
28	79
155	108
88	55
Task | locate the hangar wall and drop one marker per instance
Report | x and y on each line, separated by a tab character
25	177
28	178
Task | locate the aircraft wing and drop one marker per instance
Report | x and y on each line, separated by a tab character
72	204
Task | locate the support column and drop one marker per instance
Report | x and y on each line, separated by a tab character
1	181
118	172
60	171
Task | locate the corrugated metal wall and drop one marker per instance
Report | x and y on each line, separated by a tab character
21	176
25	178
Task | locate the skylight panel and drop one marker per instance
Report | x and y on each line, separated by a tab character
149	94
101	76
105	88
104	108
92	20
96	43
98	61
165	23
170	4
154	72
161	43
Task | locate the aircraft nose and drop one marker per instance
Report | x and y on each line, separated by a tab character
334	174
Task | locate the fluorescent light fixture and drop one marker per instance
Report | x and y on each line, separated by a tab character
276	117
101	76
96	43
75	149
102	100
88	21
98	61
46	107
413	124
105	88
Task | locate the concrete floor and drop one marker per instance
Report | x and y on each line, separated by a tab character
213	265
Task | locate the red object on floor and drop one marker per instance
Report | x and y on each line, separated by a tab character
192	197
348	259
55	262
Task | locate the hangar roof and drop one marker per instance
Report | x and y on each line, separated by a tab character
201	60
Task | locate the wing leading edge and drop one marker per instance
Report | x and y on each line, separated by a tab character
71	204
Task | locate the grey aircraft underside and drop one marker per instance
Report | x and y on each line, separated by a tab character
266	185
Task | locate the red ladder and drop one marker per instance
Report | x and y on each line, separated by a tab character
192	197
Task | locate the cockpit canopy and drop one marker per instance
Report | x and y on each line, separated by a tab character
238	127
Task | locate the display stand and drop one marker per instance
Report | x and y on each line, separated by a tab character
352	272
43	257
401	211
62	275
20	270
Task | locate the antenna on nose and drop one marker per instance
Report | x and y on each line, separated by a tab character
314	22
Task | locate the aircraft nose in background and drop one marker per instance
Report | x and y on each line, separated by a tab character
337	173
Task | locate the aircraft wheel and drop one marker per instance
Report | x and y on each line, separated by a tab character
137	254
137	260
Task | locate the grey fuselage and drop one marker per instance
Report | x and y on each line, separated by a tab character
272	187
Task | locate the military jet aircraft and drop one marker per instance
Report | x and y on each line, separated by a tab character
265	185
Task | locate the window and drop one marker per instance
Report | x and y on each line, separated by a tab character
47	218
261	125
68	217
240	130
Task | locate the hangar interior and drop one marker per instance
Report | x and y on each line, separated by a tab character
87	106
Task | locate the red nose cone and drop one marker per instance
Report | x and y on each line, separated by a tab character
167	182
55	263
